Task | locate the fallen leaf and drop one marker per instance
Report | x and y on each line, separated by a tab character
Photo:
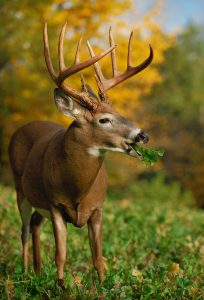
136	273
193	290
174	269
77	279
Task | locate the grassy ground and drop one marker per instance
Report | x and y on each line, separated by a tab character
153	249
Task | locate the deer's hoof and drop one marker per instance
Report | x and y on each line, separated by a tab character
61	283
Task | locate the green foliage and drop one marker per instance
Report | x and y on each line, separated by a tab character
149	156
175	108
153	249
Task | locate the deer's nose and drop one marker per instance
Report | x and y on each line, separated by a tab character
142	137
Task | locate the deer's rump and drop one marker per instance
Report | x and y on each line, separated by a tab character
23	141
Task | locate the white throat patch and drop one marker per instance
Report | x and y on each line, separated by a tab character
97	151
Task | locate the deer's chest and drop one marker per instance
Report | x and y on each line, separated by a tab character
77	214
78	210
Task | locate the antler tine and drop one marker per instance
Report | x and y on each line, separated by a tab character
134	70
61	48
105	84
77	59
96	65
113	53
84	89
129	56
100	79
131	71
47	55
80	66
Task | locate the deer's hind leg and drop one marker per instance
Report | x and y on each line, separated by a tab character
35	223
25	210
60	232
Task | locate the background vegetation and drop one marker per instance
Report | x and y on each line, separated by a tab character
161	257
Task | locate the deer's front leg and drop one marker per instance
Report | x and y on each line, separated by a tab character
95	238
60	233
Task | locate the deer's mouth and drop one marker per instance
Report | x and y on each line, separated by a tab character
131	151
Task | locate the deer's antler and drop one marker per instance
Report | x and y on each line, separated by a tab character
105	84
65	72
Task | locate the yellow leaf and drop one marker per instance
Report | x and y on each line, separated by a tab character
175	269
193	290
138	274
77	279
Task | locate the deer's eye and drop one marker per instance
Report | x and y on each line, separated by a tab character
104	120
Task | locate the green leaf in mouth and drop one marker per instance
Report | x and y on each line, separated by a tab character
149	156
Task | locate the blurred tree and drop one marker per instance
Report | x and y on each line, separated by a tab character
27	89
175	110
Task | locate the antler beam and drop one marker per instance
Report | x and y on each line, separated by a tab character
65	72
105	84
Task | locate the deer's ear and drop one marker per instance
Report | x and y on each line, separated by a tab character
67	105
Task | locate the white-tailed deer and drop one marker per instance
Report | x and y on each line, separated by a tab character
60	172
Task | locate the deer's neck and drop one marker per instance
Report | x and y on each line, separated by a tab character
77	169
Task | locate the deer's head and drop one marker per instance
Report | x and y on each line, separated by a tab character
103	127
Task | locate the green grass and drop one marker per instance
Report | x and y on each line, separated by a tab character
153	249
